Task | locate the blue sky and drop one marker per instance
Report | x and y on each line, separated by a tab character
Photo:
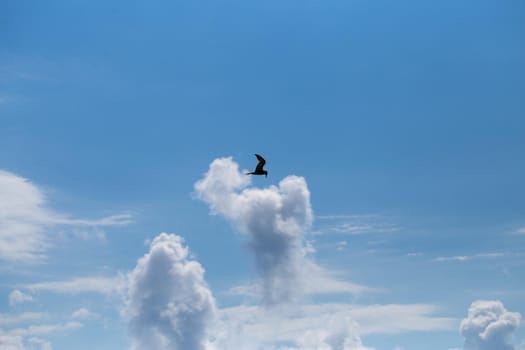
405	120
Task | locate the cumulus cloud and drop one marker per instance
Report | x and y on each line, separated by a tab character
168	305
489	326
274	219
25	219
17	297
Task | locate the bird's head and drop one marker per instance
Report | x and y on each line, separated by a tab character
265	173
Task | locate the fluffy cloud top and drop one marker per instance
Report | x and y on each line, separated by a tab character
488	326
25	218
169	305
274	218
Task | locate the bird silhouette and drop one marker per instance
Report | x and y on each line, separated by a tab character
259	168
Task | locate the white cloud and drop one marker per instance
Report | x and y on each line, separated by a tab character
339	334
23	331
43	329
84	314
28	338
319	282
488	326
11	342
275	220
319	326
463	258
17	297
169	305
6	319
352	228
24	213
413	254
520	231
341	245
39	344
354	224
102	285
460	258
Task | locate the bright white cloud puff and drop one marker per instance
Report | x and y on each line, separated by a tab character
489	326
169	305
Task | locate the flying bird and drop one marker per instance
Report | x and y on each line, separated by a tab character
259	168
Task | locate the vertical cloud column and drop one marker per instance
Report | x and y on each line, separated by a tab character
274	219
169	305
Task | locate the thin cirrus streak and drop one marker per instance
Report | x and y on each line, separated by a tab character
24	212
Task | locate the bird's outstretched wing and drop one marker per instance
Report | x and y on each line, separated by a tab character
261	163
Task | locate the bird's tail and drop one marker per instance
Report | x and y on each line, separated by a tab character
248	173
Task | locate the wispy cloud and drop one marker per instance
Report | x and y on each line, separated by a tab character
113	220
359	217
101	285
414	254
341	245
320	282
291	323
28	337
42	344
453	258
24	212
11	319
17	297
23	331
463	258
43	329
351	228
520	231
353	224
84	314
11	341
326	282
